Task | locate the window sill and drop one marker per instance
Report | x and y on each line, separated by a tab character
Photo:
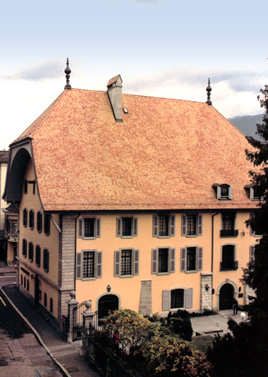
87	279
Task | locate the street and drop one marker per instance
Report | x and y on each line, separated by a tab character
20	353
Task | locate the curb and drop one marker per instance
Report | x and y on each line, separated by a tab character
38	337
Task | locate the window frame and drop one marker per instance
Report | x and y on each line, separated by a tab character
187	299
31	219
171	225
171	260
225	232
97	264
97	228
46	260
224	265
218	189
198	259
134	262
120	226
199	225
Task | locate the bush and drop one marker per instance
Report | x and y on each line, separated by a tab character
152	346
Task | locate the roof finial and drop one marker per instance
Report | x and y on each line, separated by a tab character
67	74
209	89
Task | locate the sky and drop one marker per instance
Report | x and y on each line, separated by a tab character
166	48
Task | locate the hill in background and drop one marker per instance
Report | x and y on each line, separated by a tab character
247	124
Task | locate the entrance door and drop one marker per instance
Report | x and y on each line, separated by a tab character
107	303
226	296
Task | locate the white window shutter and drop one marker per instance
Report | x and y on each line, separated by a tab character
230	193
97	227
135	227
172	226
136	262
251	193
200	225
218	192
172	260
118	227
99	264
200	258
183	259
78	265
117	263
80	228
183	225
188	298
154	261
155	226
165	300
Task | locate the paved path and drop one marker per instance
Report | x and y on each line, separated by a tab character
213	324
67	355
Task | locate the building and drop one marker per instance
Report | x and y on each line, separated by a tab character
131	201
3	204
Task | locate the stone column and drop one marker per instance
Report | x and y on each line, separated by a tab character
88	316
72	303
206	291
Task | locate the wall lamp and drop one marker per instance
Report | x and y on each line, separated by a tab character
108	288
206	287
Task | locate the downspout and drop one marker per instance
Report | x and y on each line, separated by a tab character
212	245
75	250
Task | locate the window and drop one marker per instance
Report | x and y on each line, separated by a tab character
228	225
228	258
33	186
31	219
25	217
89	264
191	225
46	260
163	260
261	227
39	222
223	192
126	227
31	250
191	259
45	300
177	298
89	227
126	262
255	192
163	226
51	305
24	248
47	224
37	255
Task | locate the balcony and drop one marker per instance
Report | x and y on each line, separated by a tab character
229	233
228	266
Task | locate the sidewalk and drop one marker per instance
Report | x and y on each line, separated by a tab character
65	354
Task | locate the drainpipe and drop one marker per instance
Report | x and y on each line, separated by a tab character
212	244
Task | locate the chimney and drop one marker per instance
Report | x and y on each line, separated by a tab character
114	90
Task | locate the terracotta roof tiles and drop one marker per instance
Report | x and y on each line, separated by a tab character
166	154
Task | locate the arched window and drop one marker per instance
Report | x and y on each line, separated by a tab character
31	219
51	305
37	255
31	251
39	222
46	260
45	300
25	217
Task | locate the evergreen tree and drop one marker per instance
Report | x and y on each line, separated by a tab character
244	352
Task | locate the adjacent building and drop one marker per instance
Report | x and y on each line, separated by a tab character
132	201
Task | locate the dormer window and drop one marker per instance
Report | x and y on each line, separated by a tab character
254	193
223	192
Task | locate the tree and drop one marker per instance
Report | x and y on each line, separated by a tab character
244	352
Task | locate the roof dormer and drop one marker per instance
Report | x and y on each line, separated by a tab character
223	191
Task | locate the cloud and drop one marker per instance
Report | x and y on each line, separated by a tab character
238	81
49	70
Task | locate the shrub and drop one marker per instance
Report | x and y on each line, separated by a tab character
153	347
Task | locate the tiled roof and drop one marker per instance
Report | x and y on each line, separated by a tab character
166	154
3	156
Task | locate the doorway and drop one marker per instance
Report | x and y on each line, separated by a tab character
226	296
107	303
